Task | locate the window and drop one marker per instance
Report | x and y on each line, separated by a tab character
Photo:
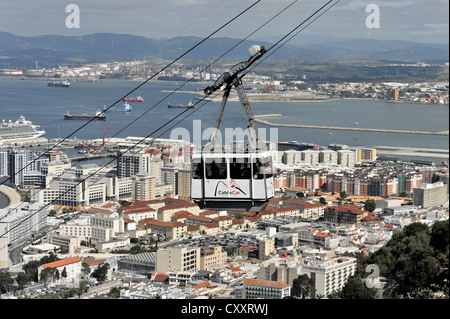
216	169
197	168
261	167
240	168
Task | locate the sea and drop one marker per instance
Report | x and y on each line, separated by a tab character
4	201
46	106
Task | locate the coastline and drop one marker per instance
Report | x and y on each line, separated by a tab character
11	194
292	97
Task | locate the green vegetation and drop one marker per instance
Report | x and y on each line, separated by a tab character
302	287
101	272
414	262
31	268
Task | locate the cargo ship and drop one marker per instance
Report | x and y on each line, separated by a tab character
190	105
59	84
98	116
19	130
127	108
137	99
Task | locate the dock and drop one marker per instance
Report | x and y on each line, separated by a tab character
259	119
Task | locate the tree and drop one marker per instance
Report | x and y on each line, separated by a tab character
323	201
302	287
64	273
6	282
49	275
370	205
355	288
440	236
31	269
136	249
22	279
101	272
239	216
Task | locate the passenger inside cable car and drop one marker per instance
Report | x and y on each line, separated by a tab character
232	181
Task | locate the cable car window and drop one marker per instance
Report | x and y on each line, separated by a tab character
240	168
268	167
216	169
197	169
258	169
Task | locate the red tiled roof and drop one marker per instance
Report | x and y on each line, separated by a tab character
221	218
323	235
178	206
137	211
211	225
200	218
152	221
127	220
193	227
63	262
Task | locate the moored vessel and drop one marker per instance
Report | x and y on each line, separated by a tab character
98	116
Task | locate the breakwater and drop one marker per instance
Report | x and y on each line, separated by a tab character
259	119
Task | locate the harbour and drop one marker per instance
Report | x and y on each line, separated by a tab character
308	122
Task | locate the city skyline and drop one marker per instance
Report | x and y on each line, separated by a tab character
410	20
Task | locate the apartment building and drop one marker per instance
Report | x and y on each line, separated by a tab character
264	289
346	214
132	162
19	221
143	187
210	257
365	155
169	230
67	243
430	195
346	158
177	258
328	274
95	228
165	213
279	270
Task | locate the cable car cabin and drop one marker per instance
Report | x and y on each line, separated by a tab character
240	182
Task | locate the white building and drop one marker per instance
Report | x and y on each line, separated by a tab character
329	274
21	220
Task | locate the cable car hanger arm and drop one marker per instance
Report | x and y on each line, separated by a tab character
231	79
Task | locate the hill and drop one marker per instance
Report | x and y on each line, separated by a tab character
105	47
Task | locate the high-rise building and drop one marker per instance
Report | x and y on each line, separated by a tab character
184	183
143	187
365	155
132	162
430	195
328	274
346	158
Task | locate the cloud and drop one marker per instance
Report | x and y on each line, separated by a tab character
404	19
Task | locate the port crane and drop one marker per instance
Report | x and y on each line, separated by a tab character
239	181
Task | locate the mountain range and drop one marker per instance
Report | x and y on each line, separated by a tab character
53	50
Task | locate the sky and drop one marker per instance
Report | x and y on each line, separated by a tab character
412	20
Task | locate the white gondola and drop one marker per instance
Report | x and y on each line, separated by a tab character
240	182
233	181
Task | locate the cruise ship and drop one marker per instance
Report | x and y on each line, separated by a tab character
19	130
